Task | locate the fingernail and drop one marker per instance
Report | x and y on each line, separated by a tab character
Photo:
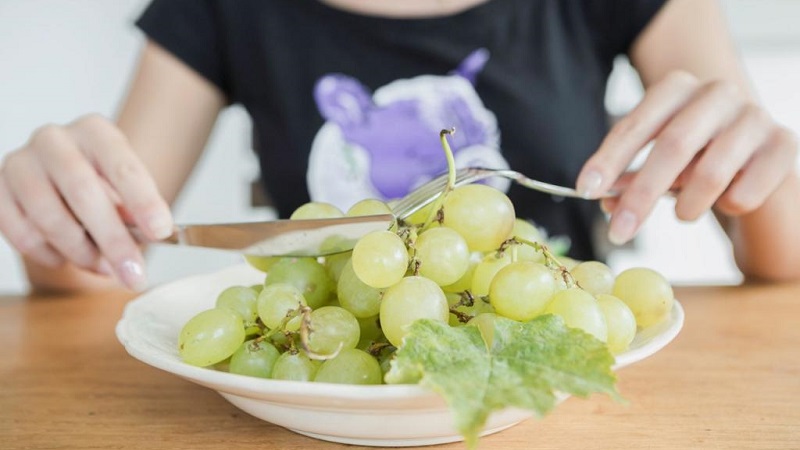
160	225
623	226
589	183
132	274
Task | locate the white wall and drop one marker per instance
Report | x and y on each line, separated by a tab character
60	59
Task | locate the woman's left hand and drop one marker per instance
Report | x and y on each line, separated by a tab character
712	144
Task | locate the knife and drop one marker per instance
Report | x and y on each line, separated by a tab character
299	237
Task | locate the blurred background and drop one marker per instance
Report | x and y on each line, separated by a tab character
61	59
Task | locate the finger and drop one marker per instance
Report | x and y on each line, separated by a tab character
609	204
660	103
82	190
623	182
22	234
721	161
122	211
109	149
124	214
712	109
41	203
762	175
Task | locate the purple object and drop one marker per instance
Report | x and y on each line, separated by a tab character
402	136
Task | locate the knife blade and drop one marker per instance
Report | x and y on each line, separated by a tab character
303	237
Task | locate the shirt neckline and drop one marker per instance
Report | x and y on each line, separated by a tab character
476	12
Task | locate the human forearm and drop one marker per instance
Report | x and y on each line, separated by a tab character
168	116
766	242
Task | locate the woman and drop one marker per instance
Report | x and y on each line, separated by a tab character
344	94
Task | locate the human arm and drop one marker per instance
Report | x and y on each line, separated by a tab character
712	141
105	170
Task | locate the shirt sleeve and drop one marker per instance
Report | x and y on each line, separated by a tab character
190	30
619	22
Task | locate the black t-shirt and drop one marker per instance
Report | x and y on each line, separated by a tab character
347	106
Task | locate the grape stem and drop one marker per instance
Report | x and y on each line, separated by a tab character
411	242
281	328
437	212
376	348
550	259
461	316
467	299
305	332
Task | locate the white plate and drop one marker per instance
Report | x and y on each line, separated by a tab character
384	415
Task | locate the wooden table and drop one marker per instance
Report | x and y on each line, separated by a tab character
730	380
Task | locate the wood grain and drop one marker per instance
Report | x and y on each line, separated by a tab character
730	380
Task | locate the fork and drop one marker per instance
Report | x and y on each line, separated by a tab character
427	193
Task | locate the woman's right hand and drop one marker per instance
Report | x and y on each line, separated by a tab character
68	195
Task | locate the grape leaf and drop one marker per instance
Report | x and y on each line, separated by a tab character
527	365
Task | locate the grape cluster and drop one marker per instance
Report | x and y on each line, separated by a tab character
464	260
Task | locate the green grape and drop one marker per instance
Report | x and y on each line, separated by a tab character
593	276
350	366
443	254
485	323
620	320
485	272
284	341
410	299
242	300
316	210
253	330
419	217
568	262
481	214
257	287
380	259
254	358
647	293
521	290
356	296
334	264
370	332
465	282
307	275
222	366
332	328
278	300
480	306
528	231
579	309
295	366
368	207
262	263
210	337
